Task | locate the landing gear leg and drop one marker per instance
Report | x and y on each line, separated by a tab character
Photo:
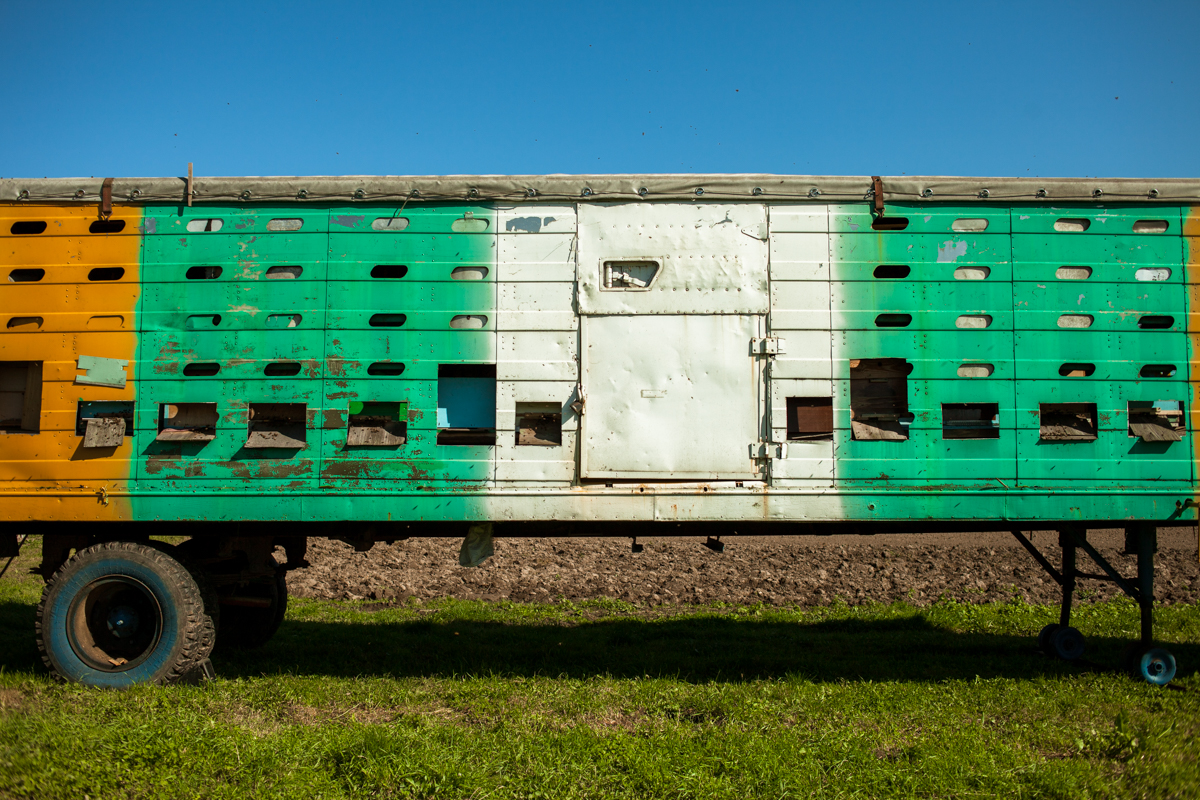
1152	664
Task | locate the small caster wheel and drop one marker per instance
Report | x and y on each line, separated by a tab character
1044	637
1154	665
1067	643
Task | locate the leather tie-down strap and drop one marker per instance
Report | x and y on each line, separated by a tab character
106	199
877	192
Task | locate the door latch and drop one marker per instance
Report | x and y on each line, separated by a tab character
767	346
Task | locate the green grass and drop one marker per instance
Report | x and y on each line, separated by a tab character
457	699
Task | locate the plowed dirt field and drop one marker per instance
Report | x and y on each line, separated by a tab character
784	570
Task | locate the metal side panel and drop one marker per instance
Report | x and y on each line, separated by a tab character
670	397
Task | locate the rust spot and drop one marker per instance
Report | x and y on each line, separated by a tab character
169	368
342	384
342	395
334	418
312	369
194	470
337	367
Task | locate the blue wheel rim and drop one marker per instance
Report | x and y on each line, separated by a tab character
1157	666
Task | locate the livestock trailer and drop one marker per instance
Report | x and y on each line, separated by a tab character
249	362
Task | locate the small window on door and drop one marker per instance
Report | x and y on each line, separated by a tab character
628	276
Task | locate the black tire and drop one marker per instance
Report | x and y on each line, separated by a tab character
245	627
122	613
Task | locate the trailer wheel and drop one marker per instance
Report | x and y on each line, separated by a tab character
1154	665
122	613
252	615
1067	643
1044	635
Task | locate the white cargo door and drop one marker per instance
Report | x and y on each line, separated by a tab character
670	396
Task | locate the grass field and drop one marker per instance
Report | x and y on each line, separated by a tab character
603	699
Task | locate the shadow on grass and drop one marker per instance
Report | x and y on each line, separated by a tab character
695	649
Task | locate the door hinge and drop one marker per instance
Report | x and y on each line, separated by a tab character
767	346
765	451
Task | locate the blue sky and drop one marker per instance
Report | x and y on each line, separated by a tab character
297	88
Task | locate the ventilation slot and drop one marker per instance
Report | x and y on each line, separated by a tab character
1073	273
277	426
1157	371
1155	323
469	224
810	419
26	275
1153	274
1072	225
976	370
285	224
1076	321
106	322
201	370
1068	422
879	399
973	225
27	227
204	225
386	369
187	422
377	425
469	273
889	223
466	407
25	323
389	271
387	320
107	226
970	421
973	321
893	320
281	369
283	320
199	322
892	271
1073	370
1158	421
284	273
1150	226
106	274
468	321
972	273
390	223
203	273
20	396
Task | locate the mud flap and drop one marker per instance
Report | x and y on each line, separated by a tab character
477	546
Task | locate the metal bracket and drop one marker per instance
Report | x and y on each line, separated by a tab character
877	193
106	199
189	184
767	346
765	451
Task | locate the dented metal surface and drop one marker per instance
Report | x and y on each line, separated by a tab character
572	359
